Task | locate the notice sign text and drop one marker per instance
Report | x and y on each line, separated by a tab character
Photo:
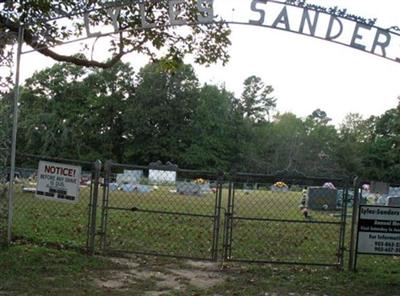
56	181
379	230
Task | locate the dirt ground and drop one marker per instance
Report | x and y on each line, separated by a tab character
145	277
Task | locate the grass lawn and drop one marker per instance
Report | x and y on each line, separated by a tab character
142	230
46	223
35	270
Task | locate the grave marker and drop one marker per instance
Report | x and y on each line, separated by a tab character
321	198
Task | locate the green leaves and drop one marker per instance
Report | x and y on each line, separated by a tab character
80	19
255	103
162	113
165	98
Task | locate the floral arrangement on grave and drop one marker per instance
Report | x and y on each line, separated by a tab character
280	184
200	181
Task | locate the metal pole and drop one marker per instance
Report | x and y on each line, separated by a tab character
93	207
352	250
14	136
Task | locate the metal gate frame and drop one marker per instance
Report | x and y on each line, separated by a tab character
106	208
230	217
218	250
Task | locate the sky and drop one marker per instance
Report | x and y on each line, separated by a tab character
306	73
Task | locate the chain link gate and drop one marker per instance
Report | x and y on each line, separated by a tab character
166	211
264	223
160	210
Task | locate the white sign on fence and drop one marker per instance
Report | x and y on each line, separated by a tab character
56	181
379	230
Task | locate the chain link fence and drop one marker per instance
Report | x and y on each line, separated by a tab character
160	210
50	222
274	219
166	211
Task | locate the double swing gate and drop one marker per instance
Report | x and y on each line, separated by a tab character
162	210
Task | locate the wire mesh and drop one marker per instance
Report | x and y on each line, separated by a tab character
166	211
285	222
47	221
161	211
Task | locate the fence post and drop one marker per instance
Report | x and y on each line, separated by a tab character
104	205
343	220
93	207
217	215
353	225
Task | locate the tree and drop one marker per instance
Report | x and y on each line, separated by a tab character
207	42
319	117
254	103
382	156
158	122
6	62
71	112
286	143
53	111
5	130
354	135
211	132
144	27
112	92
320	145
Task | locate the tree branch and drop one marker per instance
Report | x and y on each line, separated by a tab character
45	50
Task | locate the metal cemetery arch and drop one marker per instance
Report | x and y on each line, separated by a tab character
330	24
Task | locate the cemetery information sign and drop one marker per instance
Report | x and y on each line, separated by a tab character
379	230
60	182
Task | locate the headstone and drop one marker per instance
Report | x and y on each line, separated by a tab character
339	198
188	188
128	187
159	176
122	179
143	188
394	191
379	187
129	177
320	198
381	200
135	175
393	201
113	186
